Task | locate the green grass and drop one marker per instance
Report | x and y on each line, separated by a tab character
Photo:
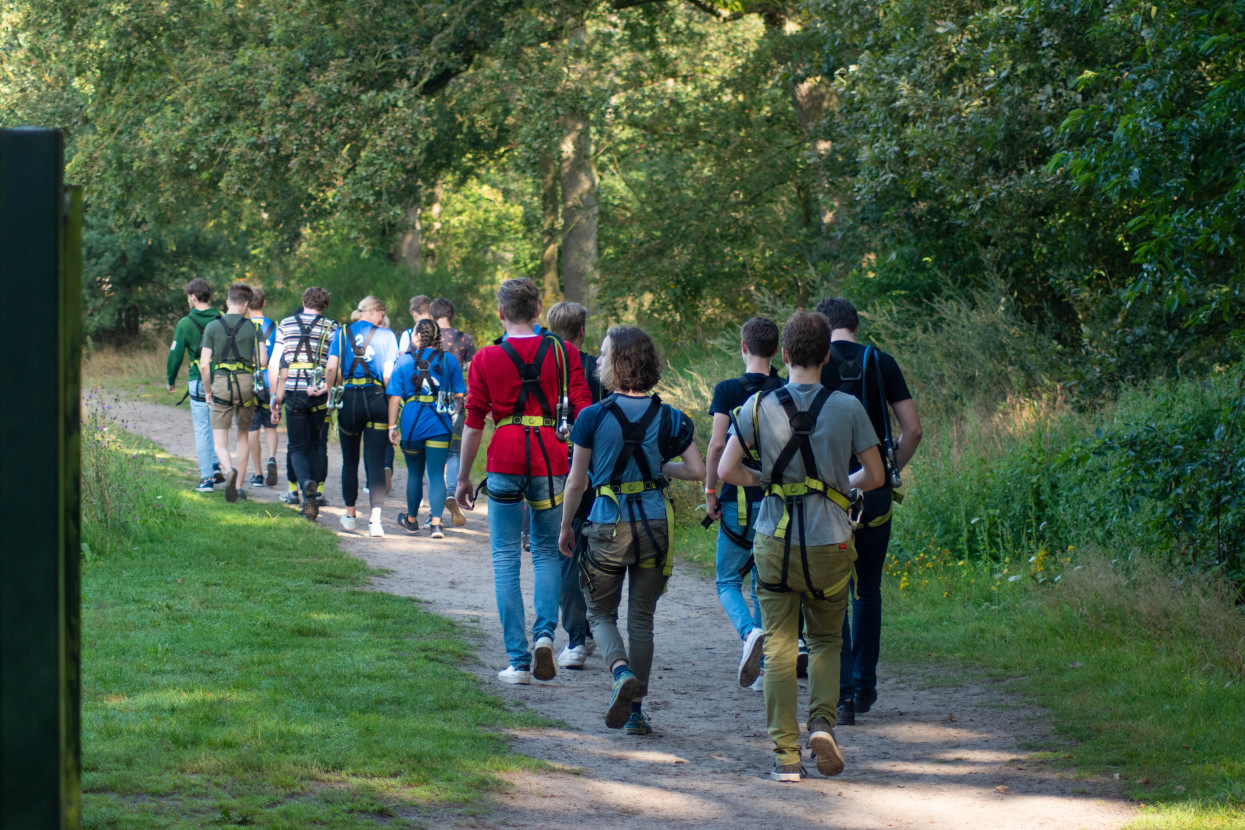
235	673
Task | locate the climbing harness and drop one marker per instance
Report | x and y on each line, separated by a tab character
232	362
424	382
745	497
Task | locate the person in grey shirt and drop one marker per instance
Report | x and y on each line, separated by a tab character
806	435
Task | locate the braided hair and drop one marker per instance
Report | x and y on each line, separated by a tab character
429	334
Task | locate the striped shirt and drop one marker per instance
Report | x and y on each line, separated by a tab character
289	339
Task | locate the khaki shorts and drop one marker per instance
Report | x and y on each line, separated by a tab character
232	399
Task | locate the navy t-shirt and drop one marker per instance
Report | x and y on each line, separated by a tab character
728	395
667	437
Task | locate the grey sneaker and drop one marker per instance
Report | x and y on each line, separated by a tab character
787	773
289	497
271	480
824	748
231	485
750	662
311	506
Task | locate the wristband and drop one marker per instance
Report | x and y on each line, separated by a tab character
709	491
392	427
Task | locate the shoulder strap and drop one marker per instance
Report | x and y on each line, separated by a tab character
360	354
803	422
851	373
304	338
529	377
633	433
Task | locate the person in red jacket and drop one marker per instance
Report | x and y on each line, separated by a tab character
532	386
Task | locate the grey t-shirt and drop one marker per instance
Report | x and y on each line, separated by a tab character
842	429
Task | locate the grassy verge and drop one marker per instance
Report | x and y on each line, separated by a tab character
136	370
235	672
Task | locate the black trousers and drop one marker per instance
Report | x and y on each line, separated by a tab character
307	452
363	420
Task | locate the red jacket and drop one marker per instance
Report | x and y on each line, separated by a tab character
493	389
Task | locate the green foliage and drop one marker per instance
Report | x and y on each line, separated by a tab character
236	672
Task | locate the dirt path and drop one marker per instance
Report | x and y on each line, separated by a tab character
929	754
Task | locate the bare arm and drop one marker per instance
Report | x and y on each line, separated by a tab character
576	484
691	468
731	468
205	372
717	443
471	446
910	423
395	404
871	474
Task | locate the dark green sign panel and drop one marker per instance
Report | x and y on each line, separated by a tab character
40	592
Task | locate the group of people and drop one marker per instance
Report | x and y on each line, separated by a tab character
386	395
801	475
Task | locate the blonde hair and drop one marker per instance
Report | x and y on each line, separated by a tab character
567	319
367	305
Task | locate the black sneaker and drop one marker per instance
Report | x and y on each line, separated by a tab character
271	481
824	748
311	506
290	497
231	485
801	660
865	701
217	475
410	527
847	712
787	773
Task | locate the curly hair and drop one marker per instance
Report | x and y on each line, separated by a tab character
633	364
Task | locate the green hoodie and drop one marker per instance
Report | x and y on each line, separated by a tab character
186	339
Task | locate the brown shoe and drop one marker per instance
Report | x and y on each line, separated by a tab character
456	512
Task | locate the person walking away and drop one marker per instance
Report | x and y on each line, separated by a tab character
463	347
874	378
736	507
425	392
569	321
805	436
187	339
231	356
624	451
261	422
364	353
300	364
533	387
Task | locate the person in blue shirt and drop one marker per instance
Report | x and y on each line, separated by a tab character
425	390
623	450
363	353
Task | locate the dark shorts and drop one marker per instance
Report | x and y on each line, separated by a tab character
263	415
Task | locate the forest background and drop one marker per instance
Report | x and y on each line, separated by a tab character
1036	205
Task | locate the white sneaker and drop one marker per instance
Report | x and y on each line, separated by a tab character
590	646
543	664
510	674
349	522
375	529
750	663
758	685
572	658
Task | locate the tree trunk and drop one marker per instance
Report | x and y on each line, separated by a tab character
812	98
550	285
579	210
434	225
411	244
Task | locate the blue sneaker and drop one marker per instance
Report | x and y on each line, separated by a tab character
206	485
637	724
626	689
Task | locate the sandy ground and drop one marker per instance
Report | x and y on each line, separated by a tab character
935	751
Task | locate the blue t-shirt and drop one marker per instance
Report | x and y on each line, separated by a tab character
381	349
597	429
270	339
420	421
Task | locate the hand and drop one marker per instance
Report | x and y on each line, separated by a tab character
318	391
394	437
171	389
275	413
713	508
465	494
566	542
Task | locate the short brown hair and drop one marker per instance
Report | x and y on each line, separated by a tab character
519	300
420	304
760	335
441	307
316	298
633	363
567	320
199	289
258	299
806	337
239	294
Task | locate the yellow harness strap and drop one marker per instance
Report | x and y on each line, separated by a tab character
526	421
631	488
361	382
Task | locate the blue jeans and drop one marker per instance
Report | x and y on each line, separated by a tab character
862	639
731	557
505	522
201	415
426	454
